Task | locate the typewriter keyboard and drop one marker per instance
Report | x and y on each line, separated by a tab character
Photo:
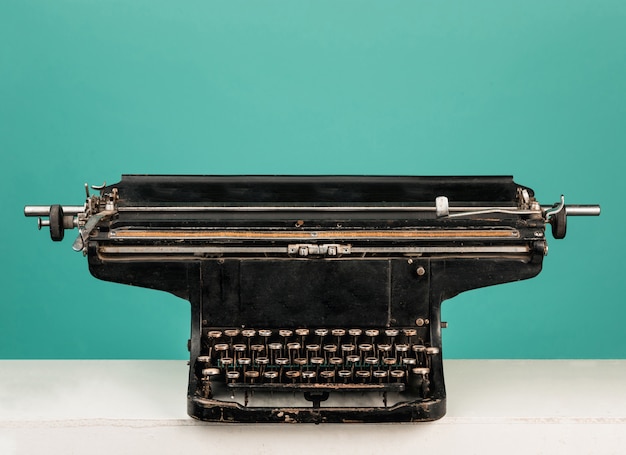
317	359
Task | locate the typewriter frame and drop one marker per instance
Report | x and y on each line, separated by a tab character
213	240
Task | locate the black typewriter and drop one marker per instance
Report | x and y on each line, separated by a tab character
313	298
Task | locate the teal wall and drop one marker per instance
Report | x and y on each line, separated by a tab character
93	89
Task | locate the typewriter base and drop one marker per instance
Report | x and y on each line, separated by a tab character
227	412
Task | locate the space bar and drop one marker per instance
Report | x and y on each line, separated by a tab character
390	387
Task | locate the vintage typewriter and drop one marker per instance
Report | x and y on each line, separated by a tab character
313	298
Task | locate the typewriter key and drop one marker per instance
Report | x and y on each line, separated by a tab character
204	359
285	333
271	375
420	371
226	361
379	374
392	332
302	332
353	359
221	347
344	374
232	375
308	375
327	374
231	333
214	333
262	360
409	361
363	374
384	347
208	372
335	360
265	333
292	374
389	360
317	360
248	333
282	361
252	375
432	350
244	361
397	374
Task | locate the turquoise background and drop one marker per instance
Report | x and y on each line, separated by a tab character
93	89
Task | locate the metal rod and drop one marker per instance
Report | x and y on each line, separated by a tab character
44	210
582	210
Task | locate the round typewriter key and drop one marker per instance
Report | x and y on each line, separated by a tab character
300	361
410	332
344	374
431	350
221	347
211	372
330	347
363	374
232	375
420	371
292	374
392	332
257	347
321	332
231	332
384	347
327	374
317	360
353	359
285	333
302	332
275	346
402	347
308	375
419	348
371	360
282	361
313	347
265	333
271	375
389	360
226	361
261	360
204	359
355	332
397	374
293	346
214	333
379	374
366	347
338	332
251	374
335	360
409	361
248	333
372	332
347	347
244	361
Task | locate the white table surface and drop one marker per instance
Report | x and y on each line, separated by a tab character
139	406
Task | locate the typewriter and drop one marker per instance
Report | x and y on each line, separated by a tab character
313	298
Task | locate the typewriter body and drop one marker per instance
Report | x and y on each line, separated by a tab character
313	298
